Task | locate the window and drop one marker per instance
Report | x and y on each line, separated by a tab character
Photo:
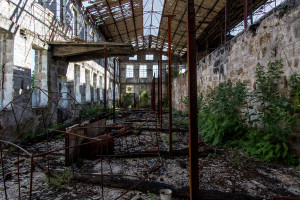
164	57
155	71
129	71
143	71
133	57
75	22
149	56
85	30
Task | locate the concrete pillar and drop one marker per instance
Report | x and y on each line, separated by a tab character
63	91
77	83
95	87
8	82
88	85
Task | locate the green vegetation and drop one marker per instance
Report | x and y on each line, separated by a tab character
90	110
144	98
174	138
220	118
58	180
127	100
227	115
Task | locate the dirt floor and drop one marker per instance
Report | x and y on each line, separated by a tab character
223	170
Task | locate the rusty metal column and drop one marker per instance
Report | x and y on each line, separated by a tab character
192	91
114	92
105	76
158	90
226	19
245	13
170	86
161	88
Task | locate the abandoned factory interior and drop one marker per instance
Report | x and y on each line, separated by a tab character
150	99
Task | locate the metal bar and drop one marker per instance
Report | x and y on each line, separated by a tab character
114	92
67	137
31	177
245	13
192	90
226	20
161	85
158	88
105	76
19	184
3	176
170	84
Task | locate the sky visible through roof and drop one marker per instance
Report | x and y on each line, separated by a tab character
152	16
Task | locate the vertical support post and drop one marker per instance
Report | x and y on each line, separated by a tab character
67	149
3	173
170	85
105	76
192	91
160	86
226	20
114	92
251	10
245	13
158	90
206	45
31	177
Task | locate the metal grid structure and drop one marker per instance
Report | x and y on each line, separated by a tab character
123	21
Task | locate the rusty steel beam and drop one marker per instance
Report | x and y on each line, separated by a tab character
105	75
192	91
161	88
226	20
245	13
114	92
158	89
173	14
170	84
199	7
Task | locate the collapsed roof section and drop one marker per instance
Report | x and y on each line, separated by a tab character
143	23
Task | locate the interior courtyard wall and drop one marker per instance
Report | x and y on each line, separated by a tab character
275	37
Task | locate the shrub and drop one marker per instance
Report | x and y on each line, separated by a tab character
221	118
275	116
144	98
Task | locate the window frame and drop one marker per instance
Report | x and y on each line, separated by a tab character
149	57
155	71
143	71
130	74
133	57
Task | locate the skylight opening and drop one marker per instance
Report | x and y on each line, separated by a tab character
152	16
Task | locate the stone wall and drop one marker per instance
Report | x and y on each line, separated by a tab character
276	37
